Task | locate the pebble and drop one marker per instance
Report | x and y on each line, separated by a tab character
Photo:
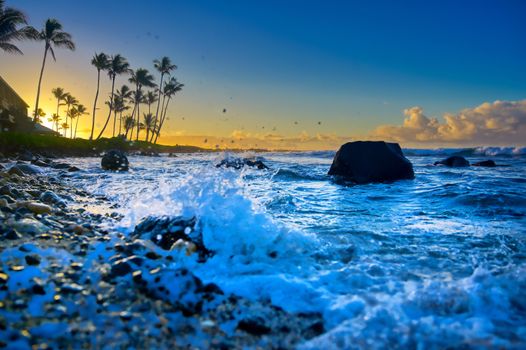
38	208
32	259
29	226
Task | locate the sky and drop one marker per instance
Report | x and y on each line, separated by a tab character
299	74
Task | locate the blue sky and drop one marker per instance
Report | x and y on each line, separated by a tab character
351	64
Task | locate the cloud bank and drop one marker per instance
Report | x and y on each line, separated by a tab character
497	123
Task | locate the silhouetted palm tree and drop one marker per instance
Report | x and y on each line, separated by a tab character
81	110
55	119
117	66
149	124
53	36
13	27
141	77
150	98
163	66
137	98
69	101
170	89
129	123
40	113
65	127
59	94
100	62
122	96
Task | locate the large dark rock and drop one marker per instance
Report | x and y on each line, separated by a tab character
486	163
371	161
454	161
114	160
172	233
22	169
239	163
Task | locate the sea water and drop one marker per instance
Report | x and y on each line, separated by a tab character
438	261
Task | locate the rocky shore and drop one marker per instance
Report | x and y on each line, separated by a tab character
67	281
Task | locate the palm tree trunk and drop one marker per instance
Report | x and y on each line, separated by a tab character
120	122
155	124
133	116
67	113
163	117
111	107
114	121
76	124
71	129
147	134
40	83
158	103
95	105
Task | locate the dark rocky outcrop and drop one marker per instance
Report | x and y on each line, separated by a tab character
22	169
114	160
453	161
172	233
371	161
238	163
486	163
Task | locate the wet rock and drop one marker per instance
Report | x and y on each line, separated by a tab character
254	326
454	162
12	234
172	233
371	161
51	197
29	226
73	169
39	163
120	268
60	166
486	163
32	259
26	156
6	190
38	208
24	169
239	163
114	160
3	278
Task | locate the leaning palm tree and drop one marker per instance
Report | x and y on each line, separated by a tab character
117	66
148	121
163	66
81	110
69	101
100	62
53	36
137	98
13	27
55	120
170	89
141	77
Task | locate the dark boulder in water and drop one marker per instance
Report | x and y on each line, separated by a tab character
238	163
454	161
22	169
172	233
371	161
486	163
114	160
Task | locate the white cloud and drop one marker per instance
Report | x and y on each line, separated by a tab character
500	122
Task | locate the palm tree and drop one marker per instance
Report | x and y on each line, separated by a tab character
40	113
53	36
69	101
137	98
163	66
170	89
141	77
117	66
121	96
65	127
55	119
149	124
100	62
150	98
81	110
59	94
13	27
129	123
72	114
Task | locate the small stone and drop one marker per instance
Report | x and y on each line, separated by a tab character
24	169
3	278
50	197
29	226
38	208
72	288
12	234
120	268
32	260
38	289
125	316
17	268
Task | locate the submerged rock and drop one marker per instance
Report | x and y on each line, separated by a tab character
238	163
22	169
114	160
371	161
51	197
486	163
453	161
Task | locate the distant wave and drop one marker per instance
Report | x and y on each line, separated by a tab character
475	151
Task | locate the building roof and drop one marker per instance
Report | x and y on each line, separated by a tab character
3	82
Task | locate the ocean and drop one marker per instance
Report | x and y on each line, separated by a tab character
434	262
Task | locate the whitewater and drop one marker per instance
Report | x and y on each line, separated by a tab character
434	262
